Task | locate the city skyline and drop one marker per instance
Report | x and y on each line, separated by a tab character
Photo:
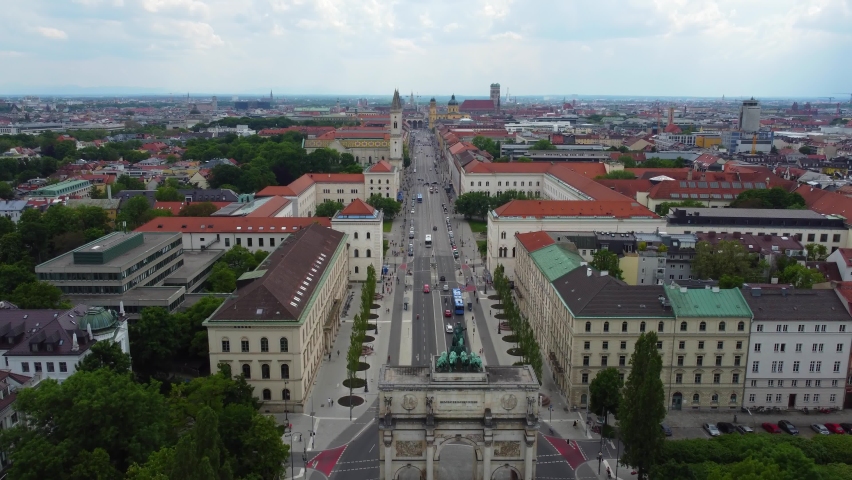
668	48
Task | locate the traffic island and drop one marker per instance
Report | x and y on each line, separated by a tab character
354	383
350	401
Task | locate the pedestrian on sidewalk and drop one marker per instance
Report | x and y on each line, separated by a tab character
338	353
329	401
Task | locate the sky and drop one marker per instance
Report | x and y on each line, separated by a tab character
768	48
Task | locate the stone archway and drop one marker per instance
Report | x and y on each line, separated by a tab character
409	472
462	466
505	472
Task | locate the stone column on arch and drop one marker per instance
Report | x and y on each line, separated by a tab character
387	439
529	455
430	455
487	452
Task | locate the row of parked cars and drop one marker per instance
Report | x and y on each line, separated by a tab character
714	430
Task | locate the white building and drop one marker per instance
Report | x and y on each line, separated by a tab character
523	216
363	225
12	209
798	353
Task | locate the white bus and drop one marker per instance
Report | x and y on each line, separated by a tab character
428	241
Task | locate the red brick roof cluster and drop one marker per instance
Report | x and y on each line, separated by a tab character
573	208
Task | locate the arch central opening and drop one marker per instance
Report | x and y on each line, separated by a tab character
458	460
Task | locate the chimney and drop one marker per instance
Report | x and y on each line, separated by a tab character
604	273
75	347
715	289
109	192
89	331
682	289
755	291
588	272
783	291
689	175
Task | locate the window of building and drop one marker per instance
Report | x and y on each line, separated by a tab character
757	347
701	345
587	345
721	326
267	394
623	345
682	326
586	359
678	378
699	360
606	327
735	378
696	398
605	345
247	370
623	326
660	345
588	326
285	394
718	360
796	366
50	367
357	254
604	361
641	327
702	327
622	361
227	242
584	378
839	347
226	345
264	371
798	347
823	237
244	345
755	366
63	367
681	345
264	345
660	327
369	253
285	371
680	360
737	359
760	327
836	366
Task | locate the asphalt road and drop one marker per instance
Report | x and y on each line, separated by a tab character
429	264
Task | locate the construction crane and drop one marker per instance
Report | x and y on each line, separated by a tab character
845	93
754	144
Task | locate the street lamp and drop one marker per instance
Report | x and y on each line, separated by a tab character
286	410
366	387
292	467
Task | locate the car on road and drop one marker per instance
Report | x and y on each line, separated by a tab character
448	313
434	228
449	327
770	427
743	429
426	288
446	287
412	210
788	427
835	428
443	278
711	429
820	429
666	430
726	427
847	427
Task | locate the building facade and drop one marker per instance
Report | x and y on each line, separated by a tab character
798	353
284	317
363	226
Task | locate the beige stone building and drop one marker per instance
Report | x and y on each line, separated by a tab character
363	226
284	317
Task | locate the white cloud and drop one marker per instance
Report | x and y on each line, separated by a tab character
496	8
451	27
10	53
506	36
192	6
426	21
52	33
198	35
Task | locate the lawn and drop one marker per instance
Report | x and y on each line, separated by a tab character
477	227
385	244
482	246
387	225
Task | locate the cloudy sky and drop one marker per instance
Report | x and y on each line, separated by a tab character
432	47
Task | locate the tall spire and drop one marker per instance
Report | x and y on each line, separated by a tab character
396	104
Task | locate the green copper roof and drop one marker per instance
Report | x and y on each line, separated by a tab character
704	302
99	318
252	274
555	260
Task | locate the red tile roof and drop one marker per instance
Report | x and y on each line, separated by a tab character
479	105
358	207
231	224
649	173
826	203
277	190
305	181
176	207
585	184
508	167
270	208
573	208
381	167
533	241
628	188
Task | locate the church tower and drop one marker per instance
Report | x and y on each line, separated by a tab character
433	112
396	131
453	105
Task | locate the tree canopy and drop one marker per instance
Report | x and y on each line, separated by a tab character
727	257
605	391
774	197
618	175
487	145
607	261
328	208
478	204
543	144
388	205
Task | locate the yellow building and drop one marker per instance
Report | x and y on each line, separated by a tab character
110	205
707	141
452	111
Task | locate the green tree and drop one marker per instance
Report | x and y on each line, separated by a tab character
125	182
37	295
6	225
6	191
388	205
605	260
816	252
725	258
153	340
627	160
801	276
486	145
642	407
240	260
132	422
105	354
524	160
192	334
328	208
198	209
473	204
731	281
605	391
503	159
774	197
13	275
664	208
168	194
135	211
806	150
543	144
618	175
221	279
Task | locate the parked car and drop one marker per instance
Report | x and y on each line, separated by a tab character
726	427
666	430
434	228
412	210
711	429
743	429
446	288
820	429
835	428
426	288
443	278
788	427
847	427
771	427
449	327
448	313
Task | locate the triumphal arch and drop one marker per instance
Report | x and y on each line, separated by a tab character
494	410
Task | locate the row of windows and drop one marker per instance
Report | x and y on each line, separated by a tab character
500	184
355	235
805	398
720	345
823	237
265	371
778	366
283	345
696	398
818	328
25	367
267	395
702	327
367	253
795	383
815	347
371	181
